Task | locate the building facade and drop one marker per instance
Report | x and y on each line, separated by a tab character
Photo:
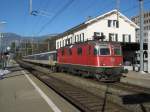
113	25
136	20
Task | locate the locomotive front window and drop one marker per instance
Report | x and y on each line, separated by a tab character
117	51
104	51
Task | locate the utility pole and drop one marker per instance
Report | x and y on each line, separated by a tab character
148	52
48	45
117	7
30	7
1	52
32	46
141	34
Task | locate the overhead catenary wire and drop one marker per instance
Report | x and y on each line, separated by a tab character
55	16
135	6
36	23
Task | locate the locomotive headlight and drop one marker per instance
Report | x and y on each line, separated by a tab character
120	64
104	64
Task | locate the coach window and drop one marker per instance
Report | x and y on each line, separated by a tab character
79	51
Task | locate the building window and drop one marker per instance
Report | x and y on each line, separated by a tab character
78	38
113	23
109	23
66	42
113	37
70	40
83	36
75	39
63	43
57	44
60	44
126	38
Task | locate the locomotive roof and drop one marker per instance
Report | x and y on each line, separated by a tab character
90	42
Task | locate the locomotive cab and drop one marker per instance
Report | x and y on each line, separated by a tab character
109	60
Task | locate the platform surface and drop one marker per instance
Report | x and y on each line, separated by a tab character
19	94
137	78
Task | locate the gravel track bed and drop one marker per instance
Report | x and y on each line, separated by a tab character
132	98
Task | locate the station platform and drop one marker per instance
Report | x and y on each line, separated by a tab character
137	78
20	91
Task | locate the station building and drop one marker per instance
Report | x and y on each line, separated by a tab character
146	37
113	25
136	20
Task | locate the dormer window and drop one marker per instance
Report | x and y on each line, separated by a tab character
113	23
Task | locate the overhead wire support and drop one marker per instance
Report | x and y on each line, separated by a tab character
117	7
57	14
141	33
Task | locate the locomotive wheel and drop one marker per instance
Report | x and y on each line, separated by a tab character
98	76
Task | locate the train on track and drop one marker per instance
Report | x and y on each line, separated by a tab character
98	59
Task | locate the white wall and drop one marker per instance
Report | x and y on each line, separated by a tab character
102	26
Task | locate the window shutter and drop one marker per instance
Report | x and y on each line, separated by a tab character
75	39
83	36
123	38
110	37
109	23
129	38
116	36
117	24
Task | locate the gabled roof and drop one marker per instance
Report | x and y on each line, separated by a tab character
91	21
109	13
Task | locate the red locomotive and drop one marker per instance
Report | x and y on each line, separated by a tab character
102	60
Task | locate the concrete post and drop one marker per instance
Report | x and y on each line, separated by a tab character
149	52
141	34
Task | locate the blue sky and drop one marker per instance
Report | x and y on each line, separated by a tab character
59	19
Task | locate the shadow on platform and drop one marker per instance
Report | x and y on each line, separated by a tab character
139	98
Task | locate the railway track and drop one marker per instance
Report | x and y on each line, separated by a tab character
89	100
82	99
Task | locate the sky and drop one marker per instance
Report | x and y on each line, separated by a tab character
56	16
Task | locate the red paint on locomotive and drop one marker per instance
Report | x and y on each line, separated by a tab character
95	54
85	54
